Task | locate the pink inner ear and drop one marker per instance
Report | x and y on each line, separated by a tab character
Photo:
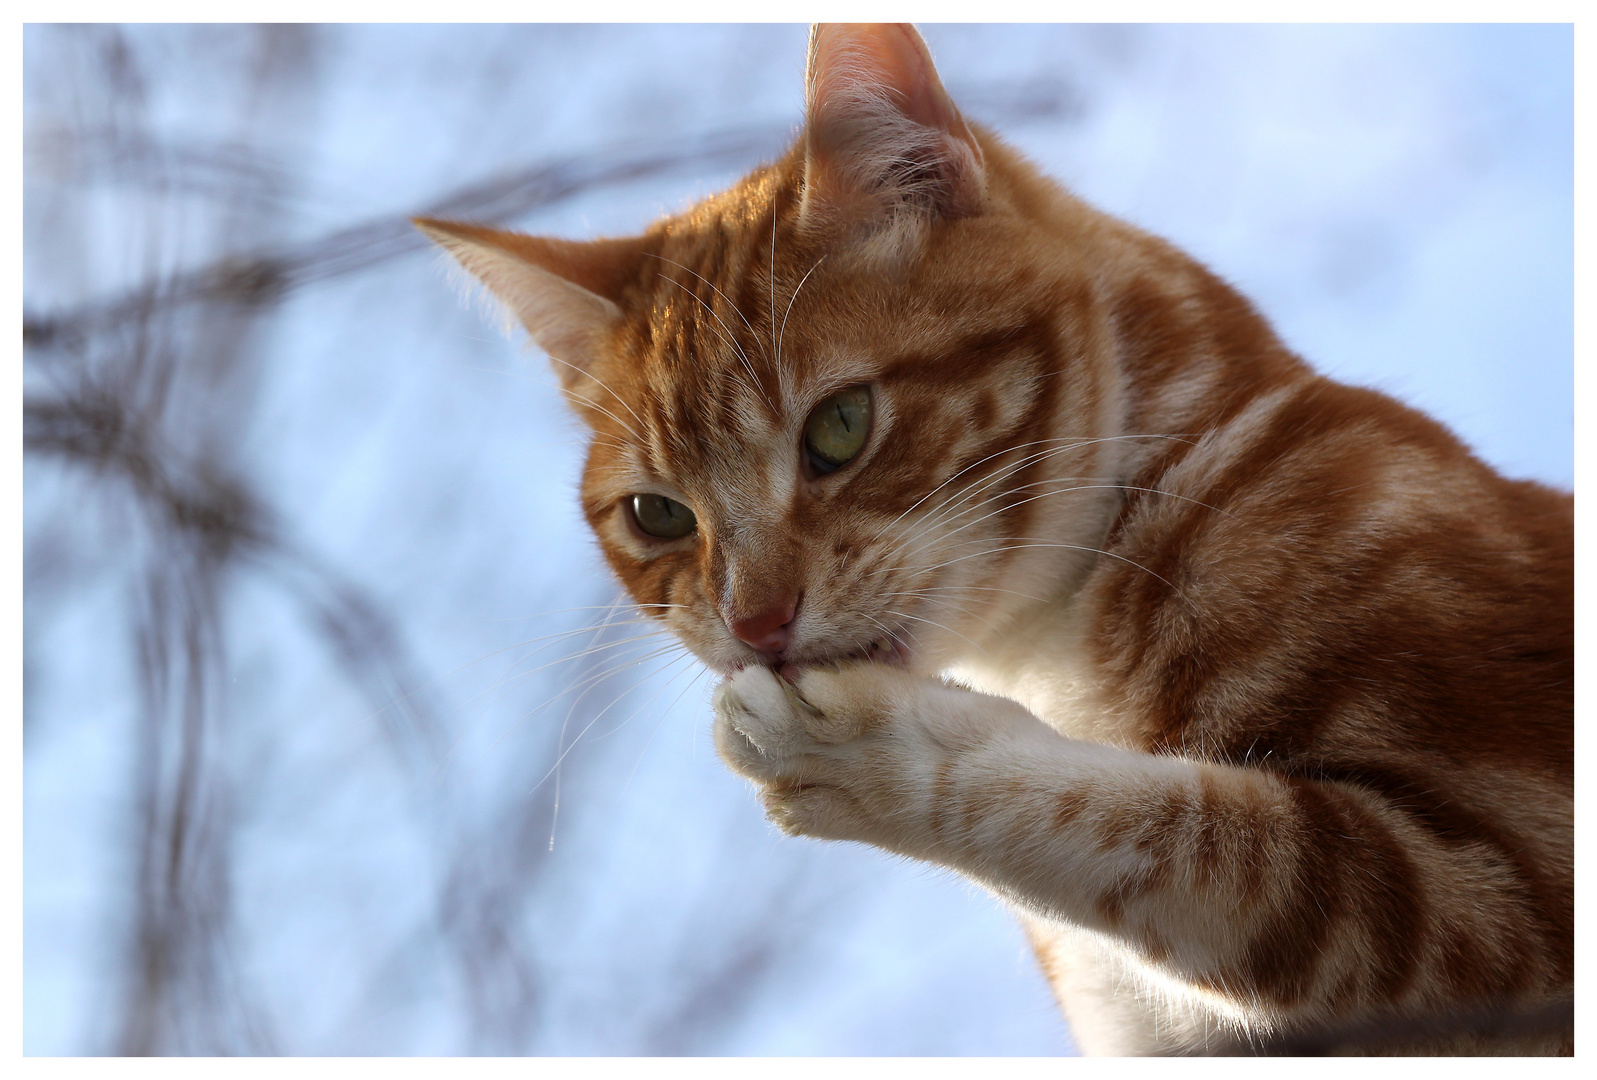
882	134
847	58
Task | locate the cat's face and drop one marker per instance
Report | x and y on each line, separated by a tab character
865	492
838	408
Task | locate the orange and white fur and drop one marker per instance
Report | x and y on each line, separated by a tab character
1250	692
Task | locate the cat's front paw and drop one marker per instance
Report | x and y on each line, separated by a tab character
838	755
766	731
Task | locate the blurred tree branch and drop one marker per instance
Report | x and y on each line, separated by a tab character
263	277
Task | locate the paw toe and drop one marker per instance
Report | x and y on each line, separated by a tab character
817	811
739	752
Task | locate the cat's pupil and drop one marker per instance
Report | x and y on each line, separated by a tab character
837	429
662	517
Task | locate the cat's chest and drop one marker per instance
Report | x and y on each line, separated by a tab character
1046	664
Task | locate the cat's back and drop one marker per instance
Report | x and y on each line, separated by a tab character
1329	553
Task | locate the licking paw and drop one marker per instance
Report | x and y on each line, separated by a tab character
811	746
858	752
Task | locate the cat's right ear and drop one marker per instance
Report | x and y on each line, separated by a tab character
564	292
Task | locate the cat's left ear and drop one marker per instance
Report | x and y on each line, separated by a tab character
885	149
566	293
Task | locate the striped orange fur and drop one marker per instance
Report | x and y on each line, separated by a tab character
1252	693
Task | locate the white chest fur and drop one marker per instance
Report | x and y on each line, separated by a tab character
1115	1004
1044	662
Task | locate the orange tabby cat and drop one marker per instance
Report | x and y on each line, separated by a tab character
1260	695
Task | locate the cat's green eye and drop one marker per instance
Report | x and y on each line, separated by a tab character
663	517
837	429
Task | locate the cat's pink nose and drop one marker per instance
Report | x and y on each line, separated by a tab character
768	630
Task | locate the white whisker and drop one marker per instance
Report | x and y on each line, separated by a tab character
940	626
942	537
1074	547
554	770
728	335
606	386
782	336
702	671
1074	441
770	286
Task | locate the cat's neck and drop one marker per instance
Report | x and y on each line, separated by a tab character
1186	351
1045	662
1191	353
1178	354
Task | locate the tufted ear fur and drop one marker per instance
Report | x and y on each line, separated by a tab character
564	292
885	150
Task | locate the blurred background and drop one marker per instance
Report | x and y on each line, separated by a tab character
337	737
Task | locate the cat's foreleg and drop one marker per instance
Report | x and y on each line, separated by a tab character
1275	898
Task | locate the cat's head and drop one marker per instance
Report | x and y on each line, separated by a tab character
848	407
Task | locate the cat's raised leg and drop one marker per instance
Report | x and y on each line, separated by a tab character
1272	899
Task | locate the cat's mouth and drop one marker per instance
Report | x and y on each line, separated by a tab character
884	650
888	650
